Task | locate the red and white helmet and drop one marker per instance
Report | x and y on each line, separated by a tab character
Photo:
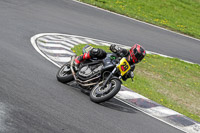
137	53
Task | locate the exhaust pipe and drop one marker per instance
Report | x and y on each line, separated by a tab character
71	67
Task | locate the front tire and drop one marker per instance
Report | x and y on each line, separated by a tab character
64	74
98	95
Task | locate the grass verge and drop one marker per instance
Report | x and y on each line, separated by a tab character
178	15
167	81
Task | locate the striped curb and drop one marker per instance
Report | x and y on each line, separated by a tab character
56	48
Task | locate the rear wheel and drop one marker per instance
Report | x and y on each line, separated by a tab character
99	94
64	74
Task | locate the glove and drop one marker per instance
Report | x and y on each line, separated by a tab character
119	51
114	48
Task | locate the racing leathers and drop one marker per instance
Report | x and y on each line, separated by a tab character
101	54
93	53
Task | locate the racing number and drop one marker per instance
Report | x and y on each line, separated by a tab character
124	67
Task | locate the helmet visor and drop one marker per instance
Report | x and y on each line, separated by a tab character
138	55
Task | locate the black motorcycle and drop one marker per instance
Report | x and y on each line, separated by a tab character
102	78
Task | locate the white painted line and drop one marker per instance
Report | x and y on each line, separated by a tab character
67	44
72	36
123	46
135	20
72	42
60	59
149	52
129	95
54	45
106	44
91	41
45	40
33	39
55	41
187	61
57	51
161	111
59	37
42	40
78	40
53	38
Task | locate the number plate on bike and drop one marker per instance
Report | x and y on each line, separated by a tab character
123	66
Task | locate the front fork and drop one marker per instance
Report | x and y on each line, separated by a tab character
108	78
71	66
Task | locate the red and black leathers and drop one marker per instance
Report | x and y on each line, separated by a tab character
101	54
94	53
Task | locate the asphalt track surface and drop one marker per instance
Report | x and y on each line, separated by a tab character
31	99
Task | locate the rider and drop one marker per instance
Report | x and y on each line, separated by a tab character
134	55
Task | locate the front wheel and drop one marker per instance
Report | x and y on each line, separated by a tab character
64	74
99	94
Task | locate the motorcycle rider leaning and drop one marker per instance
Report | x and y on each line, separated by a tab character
133	56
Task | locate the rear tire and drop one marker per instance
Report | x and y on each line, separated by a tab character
98	98
64	74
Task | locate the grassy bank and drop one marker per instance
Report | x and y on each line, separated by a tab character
178	15
168	81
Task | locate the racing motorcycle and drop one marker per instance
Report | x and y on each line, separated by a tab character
102	78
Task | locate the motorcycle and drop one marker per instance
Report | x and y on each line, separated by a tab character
102	78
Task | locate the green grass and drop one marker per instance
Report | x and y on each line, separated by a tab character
167	81
178	15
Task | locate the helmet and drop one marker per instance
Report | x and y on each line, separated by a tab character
137	53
